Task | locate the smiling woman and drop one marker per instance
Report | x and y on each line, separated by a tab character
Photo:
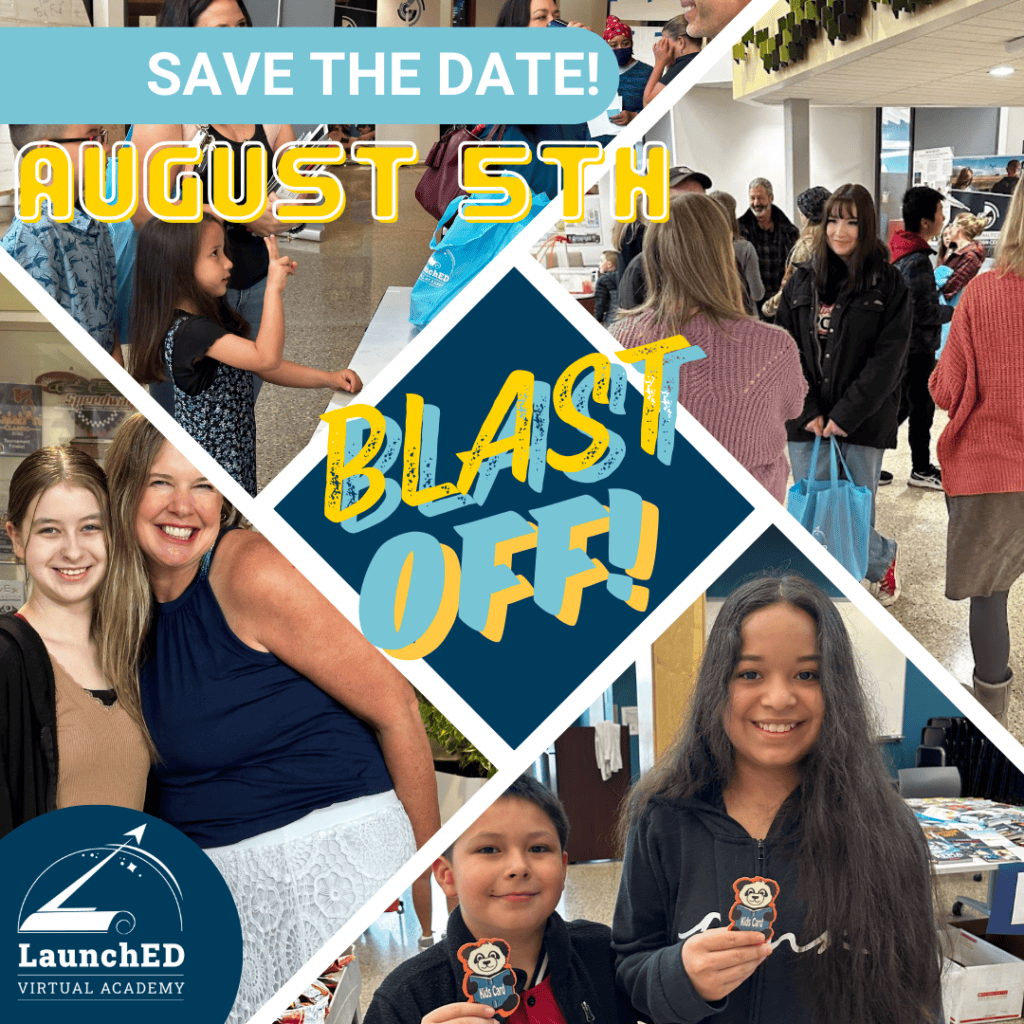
290	749
773	798
66	739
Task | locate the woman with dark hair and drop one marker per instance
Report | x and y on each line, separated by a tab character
290	749
771	872
979	381
539	176
811	204
70	733
964	181
749	382
203	14
531	14
849	310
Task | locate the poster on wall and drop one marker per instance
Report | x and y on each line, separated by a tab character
21	419
932	167
983	185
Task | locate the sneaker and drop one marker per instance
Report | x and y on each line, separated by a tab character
425	941
887	589
930	478
884	477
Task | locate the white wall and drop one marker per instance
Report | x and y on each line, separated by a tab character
1013	118
734	142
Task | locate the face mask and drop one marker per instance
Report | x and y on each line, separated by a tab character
623	56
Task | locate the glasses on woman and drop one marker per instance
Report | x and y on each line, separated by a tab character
100	136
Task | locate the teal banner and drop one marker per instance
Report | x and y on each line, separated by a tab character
286	75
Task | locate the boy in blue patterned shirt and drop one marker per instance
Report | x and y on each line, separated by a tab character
73	261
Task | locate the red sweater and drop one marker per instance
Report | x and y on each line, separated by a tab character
744	391
980	382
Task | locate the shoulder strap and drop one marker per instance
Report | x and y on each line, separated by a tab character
204	565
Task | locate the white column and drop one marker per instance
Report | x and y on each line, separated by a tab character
108	13
797	122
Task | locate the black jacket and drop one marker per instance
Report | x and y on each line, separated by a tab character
681	861
28	725
911	256
580	966
854	378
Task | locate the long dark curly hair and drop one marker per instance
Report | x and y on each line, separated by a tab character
862	861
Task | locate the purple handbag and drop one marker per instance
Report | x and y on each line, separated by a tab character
440	182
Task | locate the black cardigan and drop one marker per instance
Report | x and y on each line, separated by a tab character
580	965
28	725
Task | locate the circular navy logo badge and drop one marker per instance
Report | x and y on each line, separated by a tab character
105	908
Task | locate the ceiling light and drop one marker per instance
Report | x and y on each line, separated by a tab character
1002	72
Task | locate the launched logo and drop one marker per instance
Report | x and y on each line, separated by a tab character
118	914
439	269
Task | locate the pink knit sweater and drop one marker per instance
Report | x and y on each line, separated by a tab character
742	393
980	381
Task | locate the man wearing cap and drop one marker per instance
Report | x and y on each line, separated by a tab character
770	232
632	282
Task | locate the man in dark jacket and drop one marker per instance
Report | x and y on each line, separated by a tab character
911	255
1005	186
770	232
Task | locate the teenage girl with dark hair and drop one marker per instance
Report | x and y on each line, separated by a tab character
185	332
849	310
771	871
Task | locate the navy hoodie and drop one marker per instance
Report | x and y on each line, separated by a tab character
682	860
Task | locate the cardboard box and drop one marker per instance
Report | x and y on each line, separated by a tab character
979	981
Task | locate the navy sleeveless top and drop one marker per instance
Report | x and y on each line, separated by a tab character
247	743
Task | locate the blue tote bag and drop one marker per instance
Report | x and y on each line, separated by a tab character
465	249
835	511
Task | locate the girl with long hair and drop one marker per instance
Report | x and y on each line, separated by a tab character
979	381
68	735
849	310
290	749
749	382
186	333
771	871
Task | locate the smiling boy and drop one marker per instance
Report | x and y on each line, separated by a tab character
508	873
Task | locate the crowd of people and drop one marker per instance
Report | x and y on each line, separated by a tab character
845	347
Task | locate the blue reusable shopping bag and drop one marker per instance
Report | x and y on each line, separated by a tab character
459	256
835	511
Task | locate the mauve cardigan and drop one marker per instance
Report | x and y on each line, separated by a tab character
744	391
980	382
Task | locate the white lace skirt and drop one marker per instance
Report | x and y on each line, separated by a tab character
296	886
